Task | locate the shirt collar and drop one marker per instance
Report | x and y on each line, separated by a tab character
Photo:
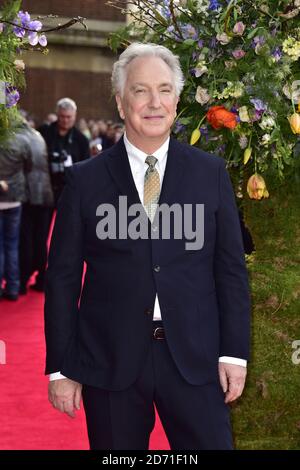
137	157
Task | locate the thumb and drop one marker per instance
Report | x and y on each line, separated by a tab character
77	397
223	378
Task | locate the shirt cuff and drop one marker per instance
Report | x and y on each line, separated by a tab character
233	360
56	376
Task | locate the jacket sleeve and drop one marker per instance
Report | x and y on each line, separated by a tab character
64	275
231	275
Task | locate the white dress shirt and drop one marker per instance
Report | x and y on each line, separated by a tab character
138	168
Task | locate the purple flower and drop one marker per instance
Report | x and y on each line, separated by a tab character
213	43
43	40
33	38
165	9
259	105
200	44
221	150
19	32
258	41
214	5
277	54
24	17
204	133
189	32
24	21
256	116
179	127
36	25
12	96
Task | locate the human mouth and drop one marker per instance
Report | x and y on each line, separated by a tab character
153	117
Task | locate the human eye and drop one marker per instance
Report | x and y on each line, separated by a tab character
139	91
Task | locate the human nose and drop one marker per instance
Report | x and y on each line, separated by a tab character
155	100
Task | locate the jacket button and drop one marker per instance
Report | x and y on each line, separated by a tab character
157	268
148	311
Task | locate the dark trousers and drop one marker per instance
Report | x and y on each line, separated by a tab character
35	226
9	255
194	417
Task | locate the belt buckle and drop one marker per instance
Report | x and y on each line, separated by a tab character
159	333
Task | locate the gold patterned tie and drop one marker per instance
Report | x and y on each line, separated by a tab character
151	187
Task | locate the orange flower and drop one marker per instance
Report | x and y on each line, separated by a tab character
256	187
219	116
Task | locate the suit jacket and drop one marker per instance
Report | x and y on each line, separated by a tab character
99	334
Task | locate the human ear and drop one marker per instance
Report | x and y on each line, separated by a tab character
120	106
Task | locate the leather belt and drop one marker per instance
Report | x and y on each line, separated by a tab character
158	332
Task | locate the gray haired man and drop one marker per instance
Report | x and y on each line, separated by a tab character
154	324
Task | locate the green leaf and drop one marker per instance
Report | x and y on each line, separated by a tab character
254	32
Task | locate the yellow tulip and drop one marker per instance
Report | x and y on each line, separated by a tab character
196	134
294	121
256	187
247	155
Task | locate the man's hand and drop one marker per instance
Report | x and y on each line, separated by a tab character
232	379
65	395
3	186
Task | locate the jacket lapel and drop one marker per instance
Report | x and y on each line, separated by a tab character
174	172
119	168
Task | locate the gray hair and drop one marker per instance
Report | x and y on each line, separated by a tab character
137	49
66	103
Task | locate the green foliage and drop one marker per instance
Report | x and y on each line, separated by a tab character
9	43
239	52
268	414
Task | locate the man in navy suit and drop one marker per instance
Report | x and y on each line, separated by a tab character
160	320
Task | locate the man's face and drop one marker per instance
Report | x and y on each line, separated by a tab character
149	101
66	119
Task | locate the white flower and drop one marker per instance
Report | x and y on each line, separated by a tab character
266	138
233	89
199	71
223	38
267	123
202	96
243	113
202	7
19	64
292	91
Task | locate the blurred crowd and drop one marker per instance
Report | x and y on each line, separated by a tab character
33	168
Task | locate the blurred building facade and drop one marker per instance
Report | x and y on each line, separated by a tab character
79	62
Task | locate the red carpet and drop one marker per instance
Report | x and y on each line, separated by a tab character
27	420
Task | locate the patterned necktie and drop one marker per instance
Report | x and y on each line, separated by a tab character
151	187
